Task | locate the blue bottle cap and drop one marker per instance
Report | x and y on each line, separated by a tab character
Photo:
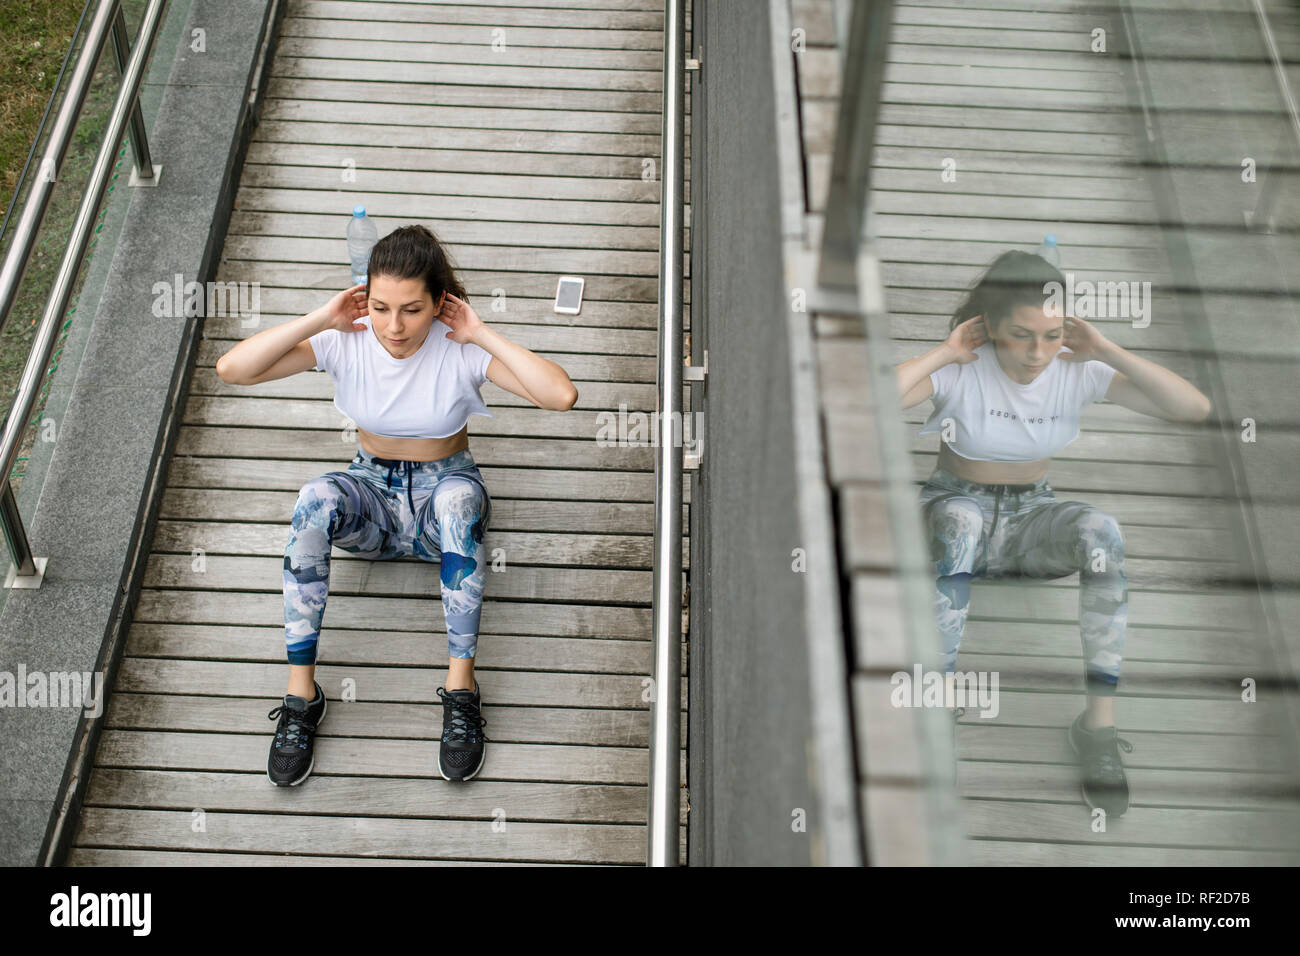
358	210
1050	238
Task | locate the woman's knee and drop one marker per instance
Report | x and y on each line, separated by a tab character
1101	541
319	501
955	525
459	505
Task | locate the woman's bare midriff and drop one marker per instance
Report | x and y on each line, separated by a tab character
992	472
414	449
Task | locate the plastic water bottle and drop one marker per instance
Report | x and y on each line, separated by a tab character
361	239
1048	250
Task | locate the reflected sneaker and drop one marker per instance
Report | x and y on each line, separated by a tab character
460	755
290	760
1104	784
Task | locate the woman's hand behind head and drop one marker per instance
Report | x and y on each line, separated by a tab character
966	338
348	306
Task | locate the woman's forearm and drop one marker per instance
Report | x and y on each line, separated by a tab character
544	380
253	356
1176	396
913	371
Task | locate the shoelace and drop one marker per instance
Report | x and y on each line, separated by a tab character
1107	757
297	727
465	719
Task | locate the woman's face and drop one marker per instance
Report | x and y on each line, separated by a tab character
1027	340
401	313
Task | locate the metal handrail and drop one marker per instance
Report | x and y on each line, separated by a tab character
28	571
1262	216
662	829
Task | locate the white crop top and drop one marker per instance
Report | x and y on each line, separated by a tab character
430	394
997	419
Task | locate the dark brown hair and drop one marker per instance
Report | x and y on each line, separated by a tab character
414	252
1015	278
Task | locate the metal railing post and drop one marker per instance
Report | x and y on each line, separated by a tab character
139	139
28	570
663	829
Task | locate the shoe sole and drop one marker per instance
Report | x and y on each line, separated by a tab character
1083	792
293	783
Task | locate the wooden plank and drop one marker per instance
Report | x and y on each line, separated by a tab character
1160	826
439	183
487	449
594	554
508	651
369	719
474	116
404	577
1175	751
485	139
548	38
573	18
546	689
594	517
372	757
332	251
330	835
477	232
395	797
600	396
1056	783
536	484
352	612
296	44
1239	649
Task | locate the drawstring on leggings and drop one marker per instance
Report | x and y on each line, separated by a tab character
997	501
392	463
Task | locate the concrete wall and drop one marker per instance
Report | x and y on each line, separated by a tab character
749	692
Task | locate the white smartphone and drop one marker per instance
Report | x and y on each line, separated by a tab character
568	295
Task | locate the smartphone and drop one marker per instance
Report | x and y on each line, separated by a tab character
568	295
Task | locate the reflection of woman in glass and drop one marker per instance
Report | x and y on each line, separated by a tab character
1008	385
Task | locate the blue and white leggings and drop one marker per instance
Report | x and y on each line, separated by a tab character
976	530
380	509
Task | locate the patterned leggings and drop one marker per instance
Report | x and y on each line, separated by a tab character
977	530
382	509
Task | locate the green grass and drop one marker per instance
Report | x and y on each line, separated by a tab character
34	38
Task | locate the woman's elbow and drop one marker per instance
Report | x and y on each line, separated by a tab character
566	399
225	372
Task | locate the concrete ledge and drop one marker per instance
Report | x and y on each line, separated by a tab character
98	503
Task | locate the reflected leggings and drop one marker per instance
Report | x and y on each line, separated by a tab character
976	530
380	509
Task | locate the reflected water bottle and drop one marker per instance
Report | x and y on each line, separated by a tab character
361	239
1048	250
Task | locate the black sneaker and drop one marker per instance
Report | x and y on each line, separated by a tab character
1104	784
290	760
460	755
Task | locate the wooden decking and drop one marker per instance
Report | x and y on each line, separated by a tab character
1043	143
528	161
